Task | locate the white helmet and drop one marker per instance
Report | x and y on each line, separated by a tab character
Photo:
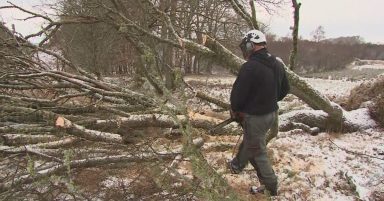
255	36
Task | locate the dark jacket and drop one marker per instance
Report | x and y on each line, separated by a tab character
260	83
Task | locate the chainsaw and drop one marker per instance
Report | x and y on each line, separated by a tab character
221	125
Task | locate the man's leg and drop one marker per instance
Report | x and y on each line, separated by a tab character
256	128
265	173
240	161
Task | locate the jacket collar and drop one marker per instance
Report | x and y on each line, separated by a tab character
260	54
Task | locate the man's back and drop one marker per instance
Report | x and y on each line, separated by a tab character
257	87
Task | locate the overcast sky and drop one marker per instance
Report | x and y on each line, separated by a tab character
338	17
363	18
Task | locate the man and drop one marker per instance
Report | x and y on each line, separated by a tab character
260	84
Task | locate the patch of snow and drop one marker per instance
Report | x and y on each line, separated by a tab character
360	117
336	88
322	170
115	182
226	80
376	66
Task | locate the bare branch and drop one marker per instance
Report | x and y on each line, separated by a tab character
240	10
26	11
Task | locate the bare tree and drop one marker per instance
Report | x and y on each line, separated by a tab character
295	34
318	34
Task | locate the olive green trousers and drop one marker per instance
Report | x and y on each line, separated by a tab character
253	149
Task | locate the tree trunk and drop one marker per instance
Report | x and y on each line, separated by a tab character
168	51
295	34
18	139
48	145
161	121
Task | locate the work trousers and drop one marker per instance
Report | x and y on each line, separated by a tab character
253	148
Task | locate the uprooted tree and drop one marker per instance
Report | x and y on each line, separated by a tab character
51	98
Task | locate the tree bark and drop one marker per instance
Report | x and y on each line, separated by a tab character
295	34
18	139
93	135
48	145
162	121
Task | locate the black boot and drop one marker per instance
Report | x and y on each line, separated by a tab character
272	189
233	168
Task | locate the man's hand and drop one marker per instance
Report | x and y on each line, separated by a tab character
237	116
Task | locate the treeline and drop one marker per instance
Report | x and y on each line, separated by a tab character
101	47
104	50
326	55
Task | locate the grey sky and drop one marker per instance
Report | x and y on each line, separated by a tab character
338	17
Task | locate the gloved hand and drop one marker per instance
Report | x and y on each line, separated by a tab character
237	116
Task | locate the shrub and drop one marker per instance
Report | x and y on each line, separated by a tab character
372	91
367	91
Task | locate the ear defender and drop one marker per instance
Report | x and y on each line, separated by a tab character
249	46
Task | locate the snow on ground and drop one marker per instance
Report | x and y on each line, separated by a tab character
329	166
368	67
327	87
360	117
333	88
321	168
369	64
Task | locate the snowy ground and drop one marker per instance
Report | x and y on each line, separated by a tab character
333	88
326	87
329	166
369	64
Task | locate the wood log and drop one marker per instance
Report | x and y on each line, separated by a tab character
18	139
47	145
92	135
19	86
27	128
36	113
38	101
352	120
311	118
163	121
211	99
31	150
